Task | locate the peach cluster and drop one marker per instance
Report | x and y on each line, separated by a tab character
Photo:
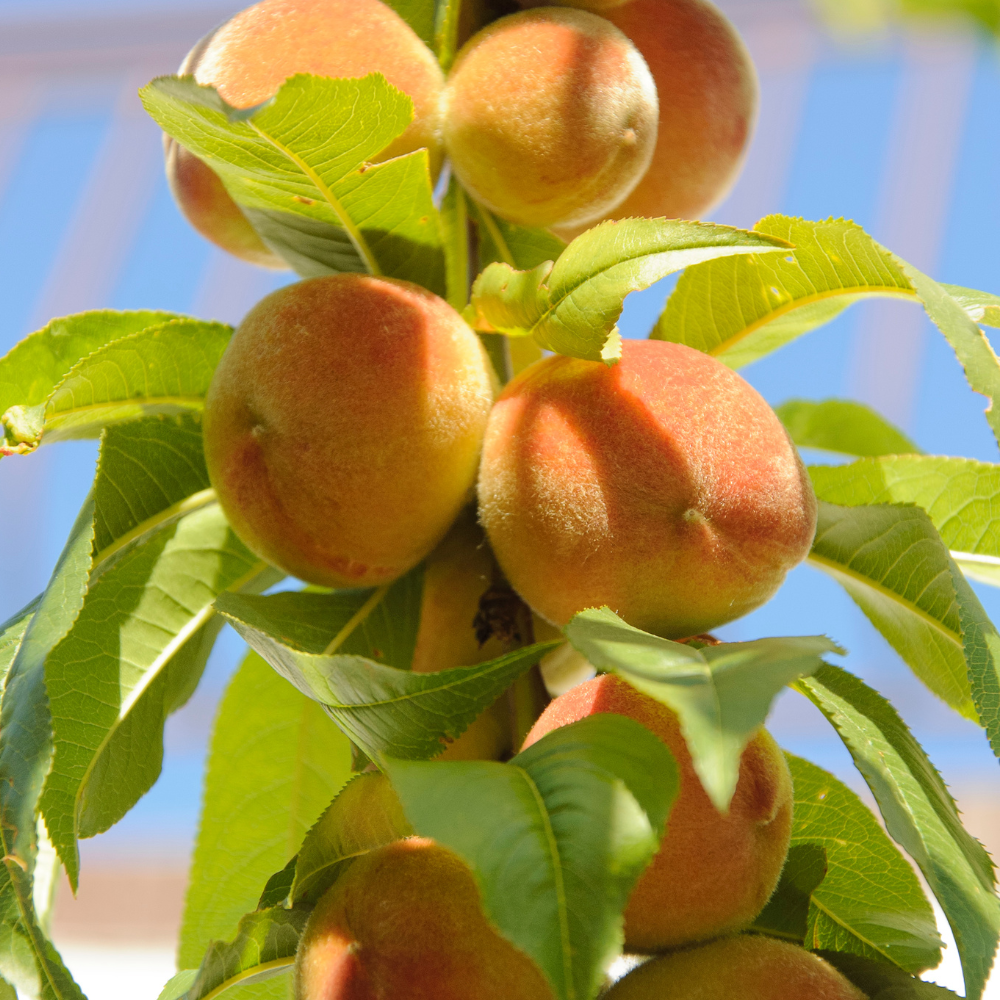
557	116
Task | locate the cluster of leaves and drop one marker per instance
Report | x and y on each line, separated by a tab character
556	836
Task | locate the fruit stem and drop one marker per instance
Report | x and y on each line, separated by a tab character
446	31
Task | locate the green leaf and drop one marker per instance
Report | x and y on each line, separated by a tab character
882	981
573	306
28	960
275	762
384	710
164	369
300	165
787	912
455	229
178	986
842	426
34	367
957	494
519	246
11	633
419	15
141	639
264	947
721	694
365	815
870	903
919	814
981	307
556	838
740	308
892	562
970	344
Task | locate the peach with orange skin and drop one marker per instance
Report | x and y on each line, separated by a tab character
343	427
713	873
748	967
406	921
549	117
663	487
708	94
249	57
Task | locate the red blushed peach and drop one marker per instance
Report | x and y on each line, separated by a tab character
549	116
251	56
663	486
405	921
713	873
748	967
343	427
708	104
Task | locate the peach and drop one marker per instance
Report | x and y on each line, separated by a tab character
456	576
343	427
713	873
747	967
662	486
549	116
250	56
707	87
406	921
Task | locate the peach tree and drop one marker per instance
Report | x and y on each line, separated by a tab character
388	744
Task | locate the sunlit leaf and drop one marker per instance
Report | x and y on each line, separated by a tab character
843	426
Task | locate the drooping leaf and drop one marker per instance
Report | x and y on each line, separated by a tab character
301	168
882	980
573	306
519	246
141	639
264	947
721	694
383	709
892	562
981	307
970	344
843	426
870	902
275	762
919	814
957	496
787	912
365	815
35	366
740	308
556	838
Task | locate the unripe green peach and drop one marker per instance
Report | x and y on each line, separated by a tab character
406	921
549	116
343	427
456	575
663	486
713	873
737	968
708	104
250	56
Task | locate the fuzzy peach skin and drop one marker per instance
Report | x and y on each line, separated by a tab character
250	56
708	106
456	575
549	116
713	874
662	486
737	968
405	922
343	427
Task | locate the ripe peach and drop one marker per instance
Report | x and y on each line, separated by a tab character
747	967
549	116
405	921
713	874
343	427
456	575
708	104
663	486
250	56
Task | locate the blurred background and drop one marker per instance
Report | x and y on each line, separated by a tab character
895	124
